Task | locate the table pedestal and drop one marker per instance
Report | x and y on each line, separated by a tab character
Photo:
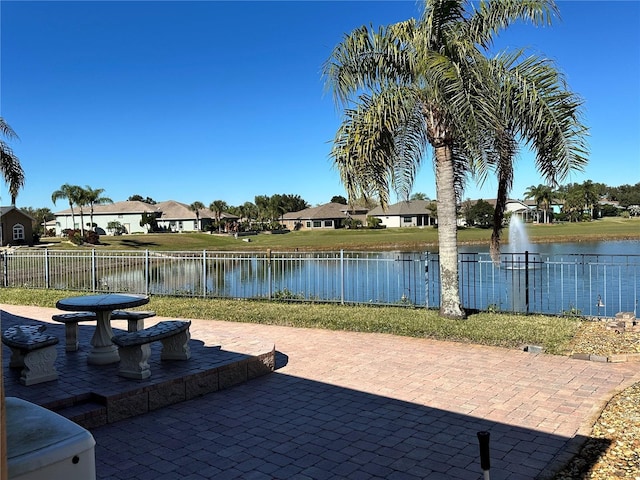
104	351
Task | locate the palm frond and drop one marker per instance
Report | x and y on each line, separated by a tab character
369	59
380	144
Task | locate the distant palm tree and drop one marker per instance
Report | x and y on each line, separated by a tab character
195	207
542	195
93	197
73	194
9	162
218	207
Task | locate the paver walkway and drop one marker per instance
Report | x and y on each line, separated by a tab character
363	406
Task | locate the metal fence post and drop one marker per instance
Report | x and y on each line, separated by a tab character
47	278
5	269
342	276
269	274
526	280
147	272
204	273
94	281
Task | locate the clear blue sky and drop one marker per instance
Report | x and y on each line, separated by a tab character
225	100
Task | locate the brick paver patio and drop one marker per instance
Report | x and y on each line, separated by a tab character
364	406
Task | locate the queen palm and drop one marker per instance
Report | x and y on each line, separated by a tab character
529	103
218	207
410	85
9	162
73	194
542	195
94	197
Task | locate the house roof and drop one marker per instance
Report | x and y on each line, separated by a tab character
5	210
169	210
411	207
326	211
127	206
172	210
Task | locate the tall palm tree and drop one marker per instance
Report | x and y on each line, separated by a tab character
73	194
9	162
195	207
94	197
410	85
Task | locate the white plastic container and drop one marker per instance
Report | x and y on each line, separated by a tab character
42	445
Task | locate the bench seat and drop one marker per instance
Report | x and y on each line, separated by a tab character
34	351
134	347
135	319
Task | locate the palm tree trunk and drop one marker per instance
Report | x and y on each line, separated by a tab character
450	306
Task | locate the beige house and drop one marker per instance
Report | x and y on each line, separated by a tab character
128	214
178	217
412	213
16	227
327	216
170	215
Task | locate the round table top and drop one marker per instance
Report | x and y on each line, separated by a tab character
100	303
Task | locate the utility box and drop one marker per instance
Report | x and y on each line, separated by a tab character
42	445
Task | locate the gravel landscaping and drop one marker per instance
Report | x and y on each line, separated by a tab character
613	449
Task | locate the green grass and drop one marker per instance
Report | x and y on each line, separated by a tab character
402	239
511	331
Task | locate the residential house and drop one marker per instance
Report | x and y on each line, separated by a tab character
170	216
128	214
16	227
412	213
178	217
327	216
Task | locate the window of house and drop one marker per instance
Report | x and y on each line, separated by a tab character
328	223
317	223
308	224
407	219
18	232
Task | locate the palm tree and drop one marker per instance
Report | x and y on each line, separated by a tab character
195	207
9	162
542	195
94	197
529	102
218	207
412	84
73	194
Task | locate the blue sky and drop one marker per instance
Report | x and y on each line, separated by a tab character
225	100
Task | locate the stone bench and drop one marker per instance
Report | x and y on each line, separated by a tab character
32	350
135	349
135	319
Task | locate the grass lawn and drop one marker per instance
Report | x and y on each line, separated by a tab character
512	331
401	239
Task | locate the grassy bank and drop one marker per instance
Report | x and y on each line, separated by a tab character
401	239
512	331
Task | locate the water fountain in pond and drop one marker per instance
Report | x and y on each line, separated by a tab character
518	238
517	263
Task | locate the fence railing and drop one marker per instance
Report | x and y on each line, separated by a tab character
593	285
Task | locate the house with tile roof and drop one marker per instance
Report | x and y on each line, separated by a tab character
178	217
328	216
170	215
128	214
412	213
16	227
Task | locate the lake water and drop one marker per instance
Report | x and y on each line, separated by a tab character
616	247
